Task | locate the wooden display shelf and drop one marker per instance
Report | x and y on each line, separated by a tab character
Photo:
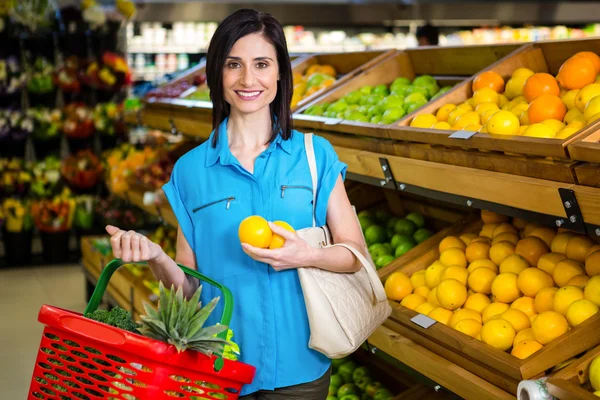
446	373
408	64
539	57
572	382
586	148
164	211
514	192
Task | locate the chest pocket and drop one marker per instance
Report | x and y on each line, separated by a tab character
216	221
293	201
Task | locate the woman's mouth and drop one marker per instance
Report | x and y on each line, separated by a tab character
248	95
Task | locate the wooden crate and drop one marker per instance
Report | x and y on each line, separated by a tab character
494	365
438	62
586	148
572	383
539	57
347	65
588	174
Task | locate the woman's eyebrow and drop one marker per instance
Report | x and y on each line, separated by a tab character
256	58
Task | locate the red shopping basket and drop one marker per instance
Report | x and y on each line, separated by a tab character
80	358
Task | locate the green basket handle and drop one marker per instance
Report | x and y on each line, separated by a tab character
116	263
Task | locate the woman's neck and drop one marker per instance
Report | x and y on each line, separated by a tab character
249	132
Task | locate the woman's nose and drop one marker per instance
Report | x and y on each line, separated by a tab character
247	78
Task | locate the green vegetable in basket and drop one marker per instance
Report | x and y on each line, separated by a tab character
180	322
116	317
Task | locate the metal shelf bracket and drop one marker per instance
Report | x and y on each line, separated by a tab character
574	219
389	182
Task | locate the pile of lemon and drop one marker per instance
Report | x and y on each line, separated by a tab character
515	285
315	78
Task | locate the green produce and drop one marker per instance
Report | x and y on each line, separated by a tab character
403	248
116	317
336	380
363	382
365	222
380	251
350	397
372	388
347	389
383	394
375	234
417	219
405	227
346	370
422	235
359	373
332	390
336	363
384	260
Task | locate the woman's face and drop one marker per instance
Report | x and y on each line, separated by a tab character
250	74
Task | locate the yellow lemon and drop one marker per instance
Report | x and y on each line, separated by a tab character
449	242
473	128
586	94
441	315
483	263
519	109
442	125
444	111
567	132
569	99
485	95
455	272
592	290
500	250
454	256
498	333
422	290
468	118
503	123
514	87
571	115
525	304
502	100
455	114
483	107
565	296
432	297
522	73
433	275
580	310
517	318
492	310
532	280
412	301
469	327
278	241
525	334
565	270
592	108
539	131
555	124
548	326
464	313
451	294
513	263
418	279
423	121
425	308
593	118
477	302
485	117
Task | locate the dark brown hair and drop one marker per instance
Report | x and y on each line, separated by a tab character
237	25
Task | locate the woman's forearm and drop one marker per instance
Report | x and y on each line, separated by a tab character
165	269
336	258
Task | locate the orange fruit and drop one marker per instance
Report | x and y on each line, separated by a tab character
483	263
455	272
592	264
433	274
481	280
490	217
468	118
545	233
422	291
492	310
592	250
451	241
418	279
425	308
462	314
397	286
525	304
504	227
451	294
592	290
525	334
490	79
532	280
514	263
441	315
538	85
412	301
565	296
580	281
546	107
505	288
469	327
487	230
517	318
529	227
498	333
254	230
525	349
544	300
501	250
432	297
559	243
277	241
580	310
592	57
477	302
578	247
477	251
482	239
548	326
519	223
506	237
531	248
467	237
576	72
565	271
453	256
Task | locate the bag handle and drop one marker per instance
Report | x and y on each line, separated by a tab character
373	277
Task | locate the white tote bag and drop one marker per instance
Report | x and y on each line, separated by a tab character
343	308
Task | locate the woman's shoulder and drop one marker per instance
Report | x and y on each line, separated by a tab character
321	145
193	159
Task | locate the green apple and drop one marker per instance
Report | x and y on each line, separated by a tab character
336	363
405	227
419	89
332	390
364	110
383	394
392	222
380	252
353	97
338	106
401	81
363	382
383	260
398	239
414	106
347	389
336	380
401	91
375	234
432	88
391	101
376	119
356	116
374	99
403	248
382	90
372	388
366	89
373	111
416	97
365	221
423	79
392	115
416	218
350	397
359	373
422	235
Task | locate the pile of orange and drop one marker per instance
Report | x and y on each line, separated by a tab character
315	78
255	231
527	104
514	285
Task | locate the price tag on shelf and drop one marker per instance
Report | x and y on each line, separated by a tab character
462	134
332	121
423	321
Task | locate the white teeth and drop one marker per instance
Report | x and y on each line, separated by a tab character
248	94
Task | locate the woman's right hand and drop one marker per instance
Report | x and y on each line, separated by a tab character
131	246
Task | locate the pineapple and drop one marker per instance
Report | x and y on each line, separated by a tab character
180	322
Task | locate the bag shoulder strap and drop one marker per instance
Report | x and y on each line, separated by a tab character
373	277
312	165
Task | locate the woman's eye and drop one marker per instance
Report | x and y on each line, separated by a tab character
262	65
233	65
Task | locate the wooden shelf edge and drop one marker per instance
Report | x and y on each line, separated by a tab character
440	370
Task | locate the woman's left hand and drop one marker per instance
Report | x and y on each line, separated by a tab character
294	253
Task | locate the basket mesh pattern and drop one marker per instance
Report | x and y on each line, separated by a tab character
75	367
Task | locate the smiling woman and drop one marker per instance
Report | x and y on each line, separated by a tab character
255	164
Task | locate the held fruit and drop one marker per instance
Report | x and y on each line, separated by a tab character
277	241
254	230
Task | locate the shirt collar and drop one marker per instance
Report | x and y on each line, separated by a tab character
222	153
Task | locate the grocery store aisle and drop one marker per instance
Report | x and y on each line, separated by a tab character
22	293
